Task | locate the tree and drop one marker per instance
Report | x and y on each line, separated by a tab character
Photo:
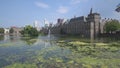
1	30
111	26
34	32
11	30
29	31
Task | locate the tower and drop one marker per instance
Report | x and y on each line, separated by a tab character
91	11
36	25
94	20
46	23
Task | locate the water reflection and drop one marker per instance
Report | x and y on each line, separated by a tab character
48	51
6	37
1	37
29	40
47	41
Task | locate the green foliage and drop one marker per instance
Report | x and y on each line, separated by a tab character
29	31
1	37
11	30
29	40
73	54
1	30
19	65
111	26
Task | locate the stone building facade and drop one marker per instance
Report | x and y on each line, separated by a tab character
83	26
6	30
16	30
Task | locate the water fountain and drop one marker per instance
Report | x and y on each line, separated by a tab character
49	32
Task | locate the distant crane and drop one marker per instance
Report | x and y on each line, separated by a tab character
118	8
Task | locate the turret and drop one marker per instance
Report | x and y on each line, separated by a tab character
95	19
91	11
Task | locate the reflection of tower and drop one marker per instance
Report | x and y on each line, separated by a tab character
36	25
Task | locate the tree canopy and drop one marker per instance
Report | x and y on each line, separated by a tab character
11	30
2	30
29	31
111	26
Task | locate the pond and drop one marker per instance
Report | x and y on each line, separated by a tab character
58	52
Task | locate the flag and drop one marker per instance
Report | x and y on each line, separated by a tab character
117	9
118	5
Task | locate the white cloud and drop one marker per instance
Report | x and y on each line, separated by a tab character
62	10
41	5
77	1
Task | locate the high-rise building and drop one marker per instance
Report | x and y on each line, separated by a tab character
46	23
36	25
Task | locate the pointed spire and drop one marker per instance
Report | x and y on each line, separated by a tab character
91	11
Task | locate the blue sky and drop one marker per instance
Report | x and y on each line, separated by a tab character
25	12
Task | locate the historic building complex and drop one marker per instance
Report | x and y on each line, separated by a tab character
83	26
15	30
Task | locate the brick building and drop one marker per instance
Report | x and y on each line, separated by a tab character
83	26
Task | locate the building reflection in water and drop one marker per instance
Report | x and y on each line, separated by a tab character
6	37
